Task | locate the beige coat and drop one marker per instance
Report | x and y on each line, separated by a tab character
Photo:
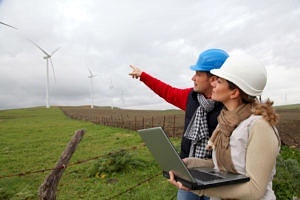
254	148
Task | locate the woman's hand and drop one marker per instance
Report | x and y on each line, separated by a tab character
136	73
177	183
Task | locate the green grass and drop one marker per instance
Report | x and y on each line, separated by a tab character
287	179
291	106
34	138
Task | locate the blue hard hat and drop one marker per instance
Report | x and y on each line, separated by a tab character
210	59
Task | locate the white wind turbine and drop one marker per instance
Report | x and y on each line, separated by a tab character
111	86
8	25
91	76
47	57
122	98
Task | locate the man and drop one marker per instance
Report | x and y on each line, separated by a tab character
200	111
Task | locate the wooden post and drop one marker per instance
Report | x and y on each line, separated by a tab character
164	121
174	126
47	190
152	122
123	124
143	123
135	123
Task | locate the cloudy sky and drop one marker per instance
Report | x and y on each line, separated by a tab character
162	38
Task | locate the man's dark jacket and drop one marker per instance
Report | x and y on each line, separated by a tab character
191	106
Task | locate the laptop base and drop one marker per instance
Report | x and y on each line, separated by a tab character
198	186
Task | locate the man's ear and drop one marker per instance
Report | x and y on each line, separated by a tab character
235	93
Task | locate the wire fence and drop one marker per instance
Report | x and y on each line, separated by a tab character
173	124
133	187
71	164
146	181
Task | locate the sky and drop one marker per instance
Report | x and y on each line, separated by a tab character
162	38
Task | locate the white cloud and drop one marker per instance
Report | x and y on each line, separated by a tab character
161	37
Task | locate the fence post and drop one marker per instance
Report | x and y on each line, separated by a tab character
135	123
174	126
47	190
143	123
123	124
152	122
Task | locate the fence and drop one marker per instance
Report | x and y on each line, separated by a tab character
47	190
173	124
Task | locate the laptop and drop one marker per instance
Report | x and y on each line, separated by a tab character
168	159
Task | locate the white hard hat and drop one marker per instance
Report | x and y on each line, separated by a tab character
244	71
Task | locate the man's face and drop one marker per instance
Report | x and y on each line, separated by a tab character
202	83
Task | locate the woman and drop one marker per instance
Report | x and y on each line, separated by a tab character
245	140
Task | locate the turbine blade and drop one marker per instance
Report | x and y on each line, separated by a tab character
8	25
90	72
54	51
35	44
52	69
111	86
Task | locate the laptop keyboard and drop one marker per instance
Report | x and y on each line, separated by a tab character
204	176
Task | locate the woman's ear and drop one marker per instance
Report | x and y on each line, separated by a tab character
213	78
235	93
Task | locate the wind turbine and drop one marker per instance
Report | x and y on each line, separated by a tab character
8	25
91	76
111	86
47	57
122	98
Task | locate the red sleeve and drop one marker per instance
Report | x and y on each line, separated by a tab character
174	96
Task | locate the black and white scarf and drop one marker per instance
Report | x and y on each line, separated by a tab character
197	130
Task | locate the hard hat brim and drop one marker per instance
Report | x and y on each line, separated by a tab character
237	81
200	68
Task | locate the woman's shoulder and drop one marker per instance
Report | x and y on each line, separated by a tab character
251	120
257	124
261	128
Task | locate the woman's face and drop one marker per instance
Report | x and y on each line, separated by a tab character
221	91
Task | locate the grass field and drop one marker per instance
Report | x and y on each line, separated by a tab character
34	138
291	106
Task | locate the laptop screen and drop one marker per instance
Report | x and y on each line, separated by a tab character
164	152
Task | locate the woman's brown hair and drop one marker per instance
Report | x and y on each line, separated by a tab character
265	109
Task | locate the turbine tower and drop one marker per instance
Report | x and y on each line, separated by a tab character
122	98
111	86
91	76
48	58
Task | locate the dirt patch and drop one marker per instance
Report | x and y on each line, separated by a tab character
173	121
289	127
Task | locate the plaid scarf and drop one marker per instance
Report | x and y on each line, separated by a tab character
197	130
